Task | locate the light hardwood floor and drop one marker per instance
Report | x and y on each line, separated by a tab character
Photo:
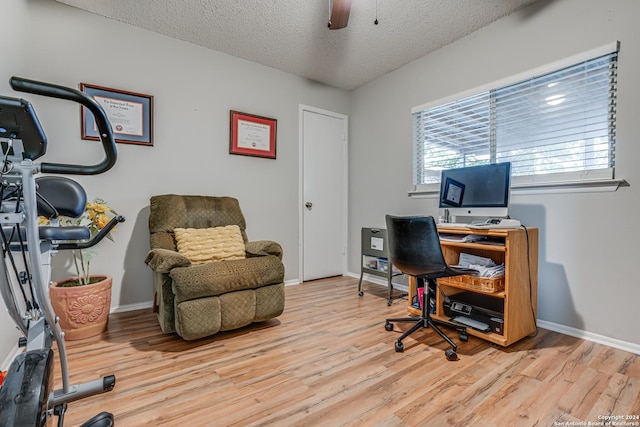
328	361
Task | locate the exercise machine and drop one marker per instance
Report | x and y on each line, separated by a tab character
27	395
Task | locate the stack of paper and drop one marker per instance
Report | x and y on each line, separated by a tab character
466	238
485	266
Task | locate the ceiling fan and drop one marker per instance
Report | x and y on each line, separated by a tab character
339	14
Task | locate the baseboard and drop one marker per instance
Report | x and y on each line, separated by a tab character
131	307
590	336
380	281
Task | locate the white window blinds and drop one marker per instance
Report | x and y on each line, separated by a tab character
559	123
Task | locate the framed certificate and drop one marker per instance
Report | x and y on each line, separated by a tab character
252	135
130	115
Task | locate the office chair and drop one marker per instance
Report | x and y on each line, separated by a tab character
414	248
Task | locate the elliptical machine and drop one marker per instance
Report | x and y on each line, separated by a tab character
27	395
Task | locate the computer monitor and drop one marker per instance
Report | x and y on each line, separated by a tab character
476	191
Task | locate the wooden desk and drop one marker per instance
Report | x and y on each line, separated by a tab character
520	294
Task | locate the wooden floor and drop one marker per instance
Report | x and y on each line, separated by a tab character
328	361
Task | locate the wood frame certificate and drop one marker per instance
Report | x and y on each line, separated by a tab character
130	115
252	135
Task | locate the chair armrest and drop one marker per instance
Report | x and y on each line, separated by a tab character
262	248
164	260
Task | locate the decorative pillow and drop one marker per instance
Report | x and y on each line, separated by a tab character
202	245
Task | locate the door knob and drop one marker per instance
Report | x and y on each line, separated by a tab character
308	205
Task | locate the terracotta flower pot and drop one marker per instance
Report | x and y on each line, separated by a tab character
83	311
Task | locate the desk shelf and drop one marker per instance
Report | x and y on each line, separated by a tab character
520	294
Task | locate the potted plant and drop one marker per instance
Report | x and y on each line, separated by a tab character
82	302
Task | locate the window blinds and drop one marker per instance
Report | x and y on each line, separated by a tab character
560	122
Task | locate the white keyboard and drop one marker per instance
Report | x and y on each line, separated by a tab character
496	223
472	323
485	226
453	225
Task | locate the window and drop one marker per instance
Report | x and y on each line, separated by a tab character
552	126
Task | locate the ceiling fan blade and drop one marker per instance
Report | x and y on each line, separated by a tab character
339	14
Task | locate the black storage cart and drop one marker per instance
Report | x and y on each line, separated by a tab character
375	258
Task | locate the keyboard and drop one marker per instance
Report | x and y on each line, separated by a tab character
472	323
453	225
483	225
496	223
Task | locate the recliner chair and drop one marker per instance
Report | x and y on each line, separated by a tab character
199	299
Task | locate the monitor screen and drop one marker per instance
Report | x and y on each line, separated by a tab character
476	190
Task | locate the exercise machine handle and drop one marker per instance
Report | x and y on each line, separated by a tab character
102	122
96	239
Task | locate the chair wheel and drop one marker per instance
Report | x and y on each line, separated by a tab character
388	302
399	347
451	355
464	337
388	326
360	293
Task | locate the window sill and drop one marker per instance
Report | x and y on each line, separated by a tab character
521	189
582	186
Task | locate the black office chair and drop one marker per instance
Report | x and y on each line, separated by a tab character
414	248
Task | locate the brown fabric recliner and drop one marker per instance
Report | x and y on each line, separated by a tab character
200	300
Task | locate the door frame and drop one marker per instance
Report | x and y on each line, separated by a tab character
345	190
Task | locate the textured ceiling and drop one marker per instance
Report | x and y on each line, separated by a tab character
292	35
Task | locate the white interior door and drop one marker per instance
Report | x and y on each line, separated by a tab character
324	193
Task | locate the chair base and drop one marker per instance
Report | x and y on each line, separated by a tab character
425	321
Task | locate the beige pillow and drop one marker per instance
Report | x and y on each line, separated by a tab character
202	245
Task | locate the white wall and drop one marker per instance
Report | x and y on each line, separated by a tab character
194	88
588	241
13	53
